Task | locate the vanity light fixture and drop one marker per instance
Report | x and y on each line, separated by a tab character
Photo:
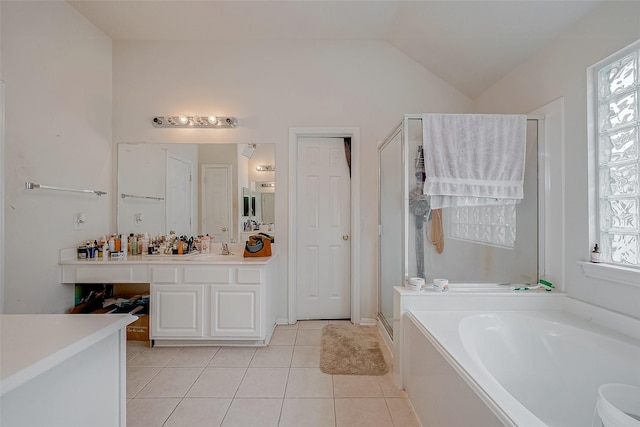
194	122
265	168
268	184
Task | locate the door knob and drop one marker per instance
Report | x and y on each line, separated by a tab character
224	228
345	237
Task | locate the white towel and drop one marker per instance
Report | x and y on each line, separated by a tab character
473	156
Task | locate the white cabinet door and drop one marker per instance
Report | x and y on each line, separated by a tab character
177	310
235	311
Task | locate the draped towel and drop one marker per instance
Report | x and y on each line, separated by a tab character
474	156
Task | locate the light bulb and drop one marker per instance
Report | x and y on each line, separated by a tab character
212	119
183	119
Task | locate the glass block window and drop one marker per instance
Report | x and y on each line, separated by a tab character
491	225
618	164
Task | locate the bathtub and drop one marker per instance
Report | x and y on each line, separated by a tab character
523	368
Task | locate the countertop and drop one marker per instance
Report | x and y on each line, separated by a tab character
68	257
35	343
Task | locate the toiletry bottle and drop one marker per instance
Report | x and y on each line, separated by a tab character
124	244
129	244
595	254
145	244
117	245
105	252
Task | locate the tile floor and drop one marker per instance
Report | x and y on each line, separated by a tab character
278	385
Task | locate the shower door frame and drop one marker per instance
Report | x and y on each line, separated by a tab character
399	129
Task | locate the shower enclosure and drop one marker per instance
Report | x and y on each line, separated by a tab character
479	244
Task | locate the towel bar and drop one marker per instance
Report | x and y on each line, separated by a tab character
31	186
124	196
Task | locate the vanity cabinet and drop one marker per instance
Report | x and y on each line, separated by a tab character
219	303
196	301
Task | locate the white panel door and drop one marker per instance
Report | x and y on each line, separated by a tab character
268	206
323	198
178	196
216	201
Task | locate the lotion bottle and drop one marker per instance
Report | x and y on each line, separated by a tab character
595	254
112	244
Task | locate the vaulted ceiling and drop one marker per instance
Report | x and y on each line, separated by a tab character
469	44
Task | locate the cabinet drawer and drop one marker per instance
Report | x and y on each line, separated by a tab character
208	275
105	274
164	274
249	275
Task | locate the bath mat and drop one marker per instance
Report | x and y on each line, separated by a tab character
351	350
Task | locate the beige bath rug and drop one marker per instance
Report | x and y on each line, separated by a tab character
351	350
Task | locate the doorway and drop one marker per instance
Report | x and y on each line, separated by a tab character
216	201
310	270
178	203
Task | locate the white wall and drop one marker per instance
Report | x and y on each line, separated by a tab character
560	71
57	70
271	86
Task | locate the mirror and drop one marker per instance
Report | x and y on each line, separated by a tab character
195	189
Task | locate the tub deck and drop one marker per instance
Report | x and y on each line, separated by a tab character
452	336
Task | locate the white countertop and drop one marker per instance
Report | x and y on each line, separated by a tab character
34	343
68	257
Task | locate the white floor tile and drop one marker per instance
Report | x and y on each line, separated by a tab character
402	412
312	324
138	377
217	382
272	357
199	412
155	357
283	337
308	382
362	412
306	356
389	387
192	357
171	382
294	326
149	412
356	386
263	382
307	413
233	357
308	337
253	413
134	348
245	386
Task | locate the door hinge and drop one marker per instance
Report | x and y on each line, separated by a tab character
379	229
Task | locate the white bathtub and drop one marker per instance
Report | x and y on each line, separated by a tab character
516	368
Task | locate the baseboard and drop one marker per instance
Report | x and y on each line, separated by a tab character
368	322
